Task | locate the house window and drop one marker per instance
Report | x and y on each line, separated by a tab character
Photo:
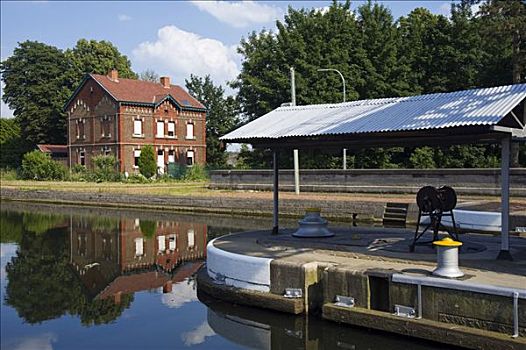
160	128
137	127
105	128
190	158
171	129
191	238
171	156
190	131
82	158
139	246
136	155
80	130
172	242
161	242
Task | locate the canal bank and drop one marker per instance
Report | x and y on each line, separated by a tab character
335	207
361	275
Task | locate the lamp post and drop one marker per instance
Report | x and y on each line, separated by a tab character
341	76
343	81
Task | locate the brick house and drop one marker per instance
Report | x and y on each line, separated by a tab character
114	116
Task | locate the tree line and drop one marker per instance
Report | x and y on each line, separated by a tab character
379	56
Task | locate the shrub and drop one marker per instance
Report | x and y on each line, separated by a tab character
148	228
196	173
137	178
176	170
105	169
39	166
147	165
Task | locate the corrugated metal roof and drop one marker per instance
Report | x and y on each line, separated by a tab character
434	111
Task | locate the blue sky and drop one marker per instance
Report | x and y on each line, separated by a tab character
172	38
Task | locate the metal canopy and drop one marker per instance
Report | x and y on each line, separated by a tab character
471	116
469	112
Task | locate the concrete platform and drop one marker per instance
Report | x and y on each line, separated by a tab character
374	266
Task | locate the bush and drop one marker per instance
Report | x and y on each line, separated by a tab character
39	166
105	168
196	173
147	165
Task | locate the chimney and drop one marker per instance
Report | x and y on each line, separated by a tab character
114	75
165	81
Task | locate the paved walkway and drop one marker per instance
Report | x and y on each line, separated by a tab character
369	248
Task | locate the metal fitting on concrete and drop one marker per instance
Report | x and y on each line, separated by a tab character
313	225
447	258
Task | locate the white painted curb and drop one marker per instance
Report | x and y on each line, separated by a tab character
474	220
237	270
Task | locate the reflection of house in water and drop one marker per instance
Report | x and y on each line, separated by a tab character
113	256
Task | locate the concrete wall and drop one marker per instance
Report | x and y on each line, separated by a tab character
464	181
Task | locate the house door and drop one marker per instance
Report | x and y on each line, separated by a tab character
160	161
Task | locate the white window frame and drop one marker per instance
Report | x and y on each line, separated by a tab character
160	129
171	156
82	157
190	132
137	127
191	238
136	155
161	243
192	153
139	246
172	242
171	129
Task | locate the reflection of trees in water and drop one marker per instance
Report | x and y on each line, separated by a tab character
42	286
148	228
10	227
42	222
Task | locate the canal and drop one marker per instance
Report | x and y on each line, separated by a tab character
94	278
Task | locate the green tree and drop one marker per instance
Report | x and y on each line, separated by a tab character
39	78
423	158
220	119
36	88
105	168
37	165
147	164
98	57
149	75
12	145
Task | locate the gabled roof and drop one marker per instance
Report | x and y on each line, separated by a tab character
139	91
417	114
53	148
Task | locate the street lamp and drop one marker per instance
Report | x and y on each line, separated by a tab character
343	81
337	71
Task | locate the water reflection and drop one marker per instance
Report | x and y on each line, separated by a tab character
128	277
263	329
91	266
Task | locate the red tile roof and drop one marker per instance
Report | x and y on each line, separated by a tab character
131	90
53	148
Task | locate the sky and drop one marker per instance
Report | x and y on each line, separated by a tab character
174	39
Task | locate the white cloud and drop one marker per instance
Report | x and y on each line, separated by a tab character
41	342
323	10
124	18
445	9
240	13
181	53
198	335
182	293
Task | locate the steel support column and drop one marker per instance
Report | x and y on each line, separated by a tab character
296	172
505	200
275	189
